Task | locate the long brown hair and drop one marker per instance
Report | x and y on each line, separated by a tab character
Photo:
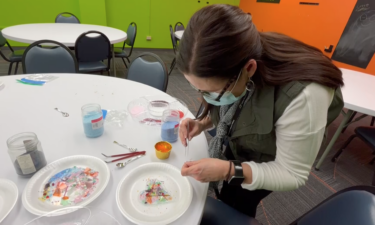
220	39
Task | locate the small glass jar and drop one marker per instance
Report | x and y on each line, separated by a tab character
170	125
26	153
92	118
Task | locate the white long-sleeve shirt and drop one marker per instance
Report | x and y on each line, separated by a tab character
299	135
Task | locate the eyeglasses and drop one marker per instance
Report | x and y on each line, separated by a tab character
200	91
207	94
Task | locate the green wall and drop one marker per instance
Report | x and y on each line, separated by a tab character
93	12
152	17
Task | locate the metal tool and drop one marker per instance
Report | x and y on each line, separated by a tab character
126	147
187	144
64	114
121	165
126	156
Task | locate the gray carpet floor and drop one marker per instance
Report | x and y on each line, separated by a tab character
281	208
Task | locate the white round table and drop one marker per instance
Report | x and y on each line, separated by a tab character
31	108
65	33
358	93
179	34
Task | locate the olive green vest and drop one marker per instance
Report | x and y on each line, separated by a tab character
253	138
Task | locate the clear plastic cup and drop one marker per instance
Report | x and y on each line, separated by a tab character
180	106
92	118
157	107
137	107
170	125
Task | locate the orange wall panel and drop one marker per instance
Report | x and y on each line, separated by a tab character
318	25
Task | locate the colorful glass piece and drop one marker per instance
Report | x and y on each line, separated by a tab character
155	193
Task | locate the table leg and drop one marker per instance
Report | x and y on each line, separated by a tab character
334	138
113	61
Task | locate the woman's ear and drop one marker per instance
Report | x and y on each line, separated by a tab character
250	67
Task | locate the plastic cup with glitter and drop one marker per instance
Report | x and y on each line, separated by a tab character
92	117
26	153
170	125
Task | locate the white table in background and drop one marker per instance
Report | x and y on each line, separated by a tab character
179	34
358	93
31	108
65	33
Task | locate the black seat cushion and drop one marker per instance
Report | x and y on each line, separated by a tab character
367	134
218	213
91	66
16	56
348	208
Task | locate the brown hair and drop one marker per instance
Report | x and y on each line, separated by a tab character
220	39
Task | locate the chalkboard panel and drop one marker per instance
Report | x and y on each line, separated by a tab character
269	1
356	46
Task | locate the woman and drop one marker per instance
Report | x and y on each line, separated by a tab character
270	98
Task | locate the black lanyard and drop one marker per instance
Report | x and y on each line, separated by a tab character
238	112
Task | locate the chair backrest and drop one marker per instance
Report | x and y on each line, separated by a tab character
93	46
132	33
154	74
178	26
57	59
173	38
66	17
353	205
3	41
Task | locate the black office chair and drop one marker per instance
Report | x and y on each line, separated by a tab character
66	17
154	74
357	119
353	205
57	59
218	213
120	52
13	57
174	44
178	26
91	49
367	135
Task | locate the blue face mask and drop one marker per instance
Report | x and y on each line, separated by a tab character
227	99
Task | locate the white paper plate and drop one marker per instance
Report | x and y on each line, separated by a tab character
1	83
131	186
34	188
8	197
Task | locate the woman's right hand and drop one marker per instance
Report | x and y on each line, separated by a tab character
195	128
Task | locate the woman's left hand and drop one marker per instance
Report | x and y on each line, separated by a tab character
206	170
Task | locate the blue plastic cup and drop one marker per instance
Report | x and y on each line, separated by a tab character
170	125
93	122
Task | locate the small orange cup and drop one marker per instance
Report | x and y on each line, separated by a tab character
163	149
